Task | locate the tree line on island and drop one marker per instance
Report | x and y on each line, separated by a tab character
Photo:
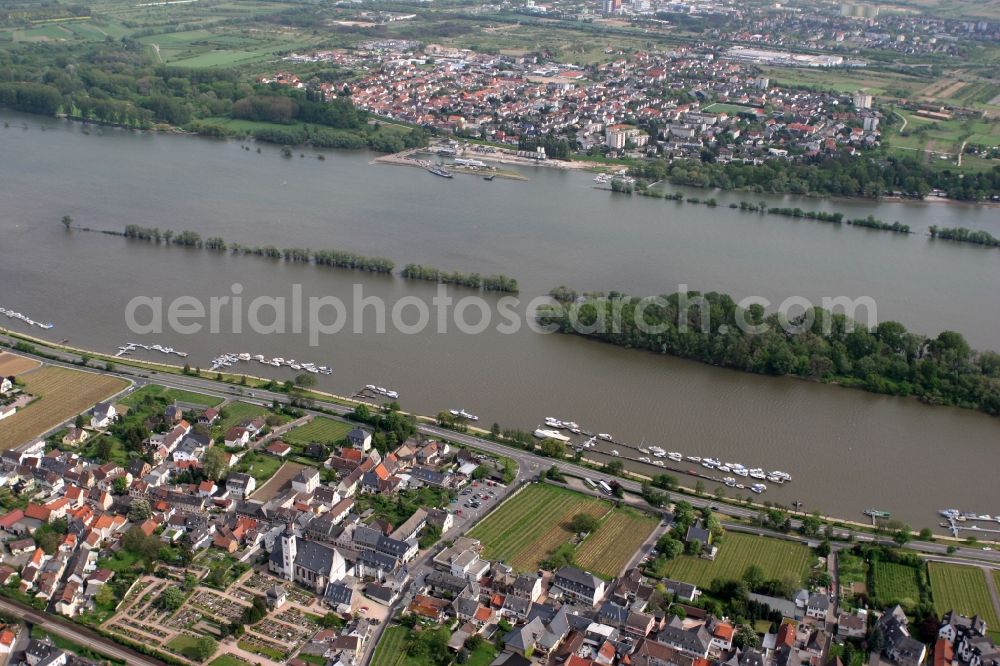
500	283
885	359
331	258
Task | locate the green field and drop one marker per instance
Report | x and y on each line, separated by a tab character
965	590
236	412
261	467
526	528
608	550
720	107
180	395
321	430
391	649
185	645
895	584
776	557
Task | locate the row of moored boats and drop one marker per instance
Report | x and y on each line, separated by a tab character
229	360
654	455
25	318
381	390
132	346
962	516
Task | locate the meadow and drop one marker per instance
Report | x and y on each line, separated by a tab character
320	429
776	557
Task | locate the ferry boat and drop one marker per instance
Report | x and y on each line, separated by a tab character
440	171
542	433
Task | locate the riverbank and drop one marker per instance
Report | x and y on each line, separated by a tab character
247	382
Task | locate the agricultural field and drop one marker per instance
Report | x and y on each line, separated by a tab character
12	364
965	590
180	395
391	649
228	660
608	550
526	528
278	480
895	584
236	412
320	429
63	393
776	557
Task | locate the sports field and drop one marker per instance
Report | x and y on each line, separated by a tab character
321	430
608	550
525	529
963	589
776	557
63	393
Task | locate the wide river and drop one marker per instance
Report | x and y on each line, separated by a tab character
847	450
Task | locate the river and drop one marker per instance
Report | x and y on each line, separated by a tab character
847	450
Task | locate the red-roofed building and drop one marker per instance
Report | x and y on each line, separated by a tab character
8	520
722	636
279	449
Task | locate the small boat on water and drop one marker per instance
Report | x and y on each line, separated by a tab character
675	456
729	481
489	177
542	433
615	453
644	459
696	459
605	436
463	414
758	488
658	463
877	513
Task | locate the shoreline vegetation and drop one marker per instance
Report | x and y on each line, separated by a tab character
886	359
331	258
499	283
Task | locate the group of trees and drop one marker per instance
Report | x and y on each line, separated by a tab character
117	83
335	258
818	345
840	175
500	283
391	427
963	235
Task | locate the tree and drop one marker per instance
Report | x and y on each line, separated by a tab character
745	638
811	524
120	485
104	449
753	577
105	596
926	534
903	535
139	510
214	465
204	648
693	547
305	381
480	473
669	547
553	448
80	421
172	598
67	222
584	523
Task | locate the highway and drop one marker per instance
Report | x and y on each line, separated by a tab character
77	634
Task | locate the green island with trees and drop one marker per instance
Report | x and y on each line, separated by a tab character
886	359
500	283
